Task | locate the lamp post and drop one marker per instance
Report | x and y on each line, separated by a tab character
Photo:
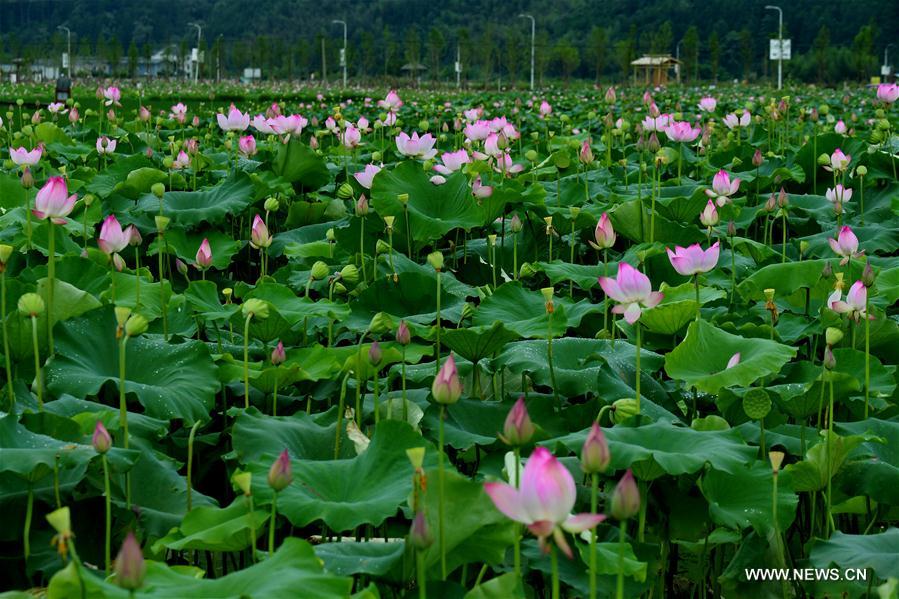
343	57
780	43
533	40
197	62
69	48
677	58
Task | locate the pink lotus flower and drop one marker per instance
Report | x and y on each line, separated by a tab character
504	164
351	137
179	112
518	428
493	146
480	190
415	146
732	121
112	95
586	153
604	233
278	356
204	255
447	388
365	177
473	114
53	201
708	104
595	456
888	92
840	127
839	194
181	162
610	96
280	474
56	108
543	501
143	114
632	290
262	125
73	116
839	161
734	360
112	238
693	260
23	157
545	109
656	123
235	121
682	132
452	162
101	440
392	102
854	305
722	187
259	235
477	131
709	215
246	145
105	145
845	245
288	125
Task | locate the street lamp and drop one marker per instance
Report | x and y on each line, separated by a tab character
677	58
69	50
533	38
343	52
197	62
780	43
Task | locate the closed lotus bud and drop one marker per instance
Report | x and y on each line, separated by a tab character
362	206
31	304
136	325
130	567
653	144
518	428
757	158
403	337
330	236
5	253
868	275
257	307
27	178
531	155
375	355
349	274
278	356
181	267
420	536
271	205
595	456
243	481
830	361
280	475
319	271
158	190
624	409
782	198
827	271
625	498
515	223
833	336
731	228
803	247
435	259
101	439
447	388
134	236
345	191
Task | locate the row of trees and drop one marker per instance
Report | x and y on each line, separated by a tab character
495	55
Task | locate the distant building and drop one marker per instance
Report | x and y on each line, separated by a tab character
652	69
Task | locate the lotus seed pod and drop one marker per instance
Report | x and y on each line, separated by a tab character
389	220
833	336
345	191
402	198
531	155
257	307
862	170
243	481
271	205
227	292
136	325
491	240
376	156
319	271
776	458
162	223
380	323
349	274
339	288
623	409
416	456
527	270
330	235
823	159
435	259
5	253
31	304
756	403
122	313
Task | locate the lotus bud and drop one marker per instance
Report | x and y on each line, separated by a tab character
375	355
731	228
624	409
757	158
280	475
830	361
255	307
136	325
319	271
330	236
833	336
134	236
181	267
595	456
803	247
653	144
625	498
162	223
278	356
345	191
420	536
447	388
27	178
271	205
776	458
868	275
518	428
31	304
515	224
531	155
101	439
362	206
350	274
435	259
158	190
827	271
130	567
243	481
5	254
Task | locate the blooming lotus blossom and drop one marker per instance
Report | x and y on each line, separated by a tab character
181	162
494	145
365	177
179	112
839	161
287	125
845	245
204	255
415	146
855	302
693	260
261	124
656	123
53	201
23	157
632	291
708	104
838	194
246	145
477	131
604	233
113	238
56	108
472	114
452	162
390	121
840	127
351	137
723	187
543	501
105	145
732	121
545	109
682	131
234	121
709	215
888	92
112	95
504	164
480	190
392	102
259	235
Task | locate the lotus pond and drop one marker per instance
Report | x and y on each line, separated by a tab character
578	343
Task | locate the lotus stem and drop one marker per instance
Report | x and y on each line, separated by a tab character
619	593
515	256
437	348
137	282
123	413
165	318
362	246
421	576
107	554
29	511
271	524
698	305
252	528
554	560
517	552
246	361
405	408
637	380
38	376
440	495
275	398
377	398
594	493
190	464
9	382
549	358
867	355
51	276
340	408
829	525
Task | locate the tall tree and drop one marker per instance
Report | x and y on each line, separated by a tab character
863	51
436	47
746	51
567	58
662	40
367	48
596	49
820	47
132	59
714	54
690	56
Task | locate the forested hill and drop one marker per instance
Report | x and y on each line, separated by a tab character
575	38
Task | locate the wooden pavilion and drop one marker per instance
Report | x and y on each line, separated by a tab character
653	69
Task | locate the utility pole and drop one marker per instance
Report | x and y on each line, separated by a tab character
677	58
342	52
780	43
533	42
69	49
459	67
197	61
324	64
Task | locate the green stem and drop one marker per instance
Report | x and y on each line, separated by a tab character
405	407
275	399
377	398
437	349
867	355
341	406
252	529
440	497
733	272
515	256
698	305
619	594
137	282
517	553
38	376
362	245
594	492
554	560
9	384
783	247
637	380
422	577
108	501
29	510
271	524
123	413
246	362
190	464
51	275
830	527
549	357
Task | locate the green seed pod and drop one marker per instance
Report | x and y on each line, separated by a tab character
158	190
623	409
345	191
756	403
531	155
435	259
256	307
31	304
320	270
136	325
349	274
271	205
